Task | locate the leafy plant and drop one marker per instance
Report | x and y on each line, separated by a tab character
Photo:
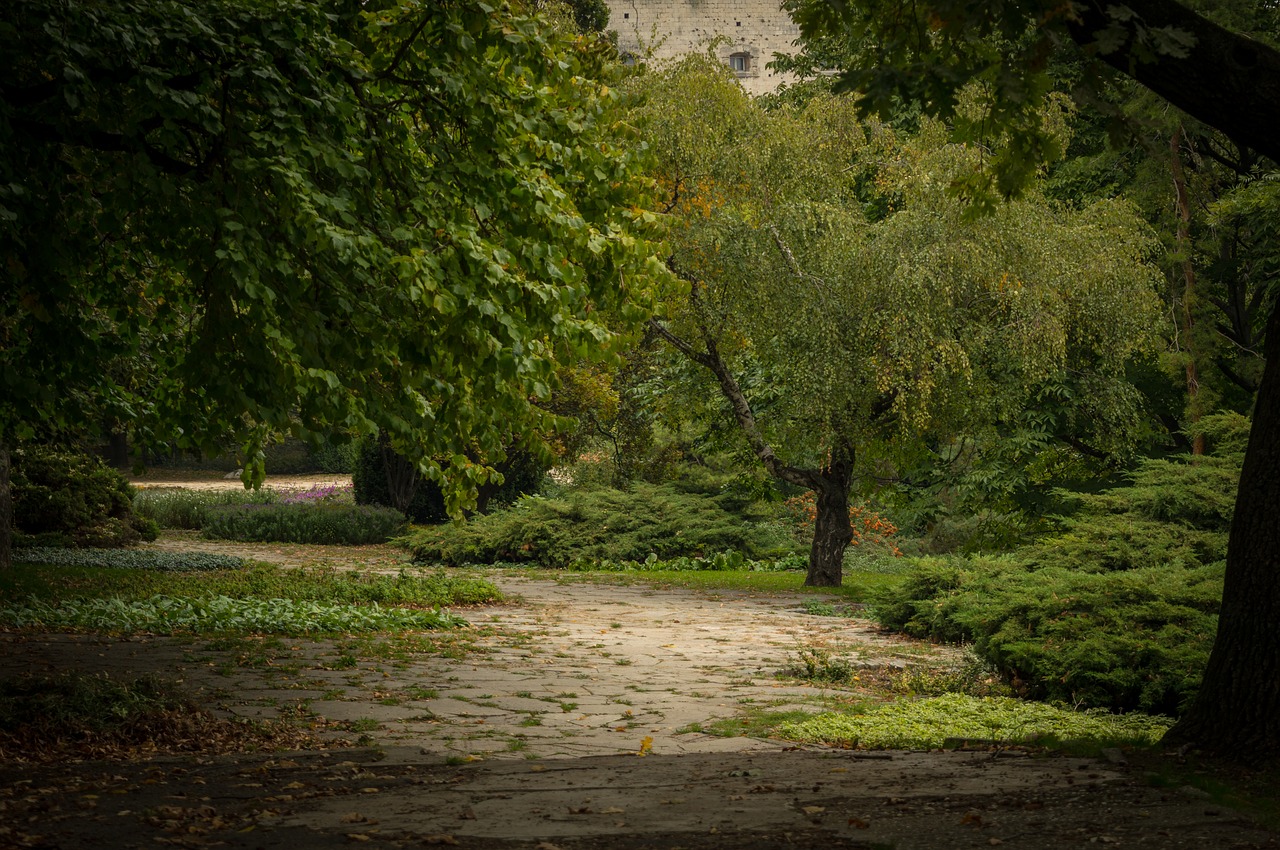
130	559
218	614
303	522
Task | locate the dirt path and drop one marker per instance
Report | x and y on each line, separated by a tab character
526	731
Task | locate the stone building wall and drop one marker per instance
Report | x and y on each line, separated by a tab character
754	29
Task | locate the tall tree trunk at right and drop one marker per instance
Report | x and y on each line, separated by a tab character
1186	319
1236	713
6	511
831	529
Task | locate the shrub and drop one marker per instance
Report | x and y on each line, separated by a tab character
369	480
130	559
68	499
609	525
322	523
173	507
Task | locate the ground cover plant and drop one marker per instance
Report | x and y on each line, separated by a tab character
322	522
50	718
130	559
666	521
929	723
176	507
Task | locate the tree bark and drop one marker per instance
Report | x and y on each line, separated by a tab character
402	476
1236	713
831	529
6	512
1227	80
1187	320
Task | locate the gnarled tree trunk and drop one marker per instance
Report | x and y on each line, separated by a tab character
831	529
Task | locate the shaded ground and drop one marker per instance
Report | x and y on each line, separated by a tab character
525	730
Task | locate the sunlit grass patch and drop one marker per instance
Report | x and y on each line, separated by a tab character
928	723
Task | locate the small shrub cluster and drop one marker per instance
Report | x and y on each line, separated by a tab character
928	723
129	559
218	614
607	525
173	507
314	522
68	499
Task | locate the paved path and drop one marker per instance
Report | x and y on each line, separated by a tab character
529	738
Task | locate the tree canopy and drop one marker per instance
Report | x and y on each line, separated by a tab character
238	218
927	52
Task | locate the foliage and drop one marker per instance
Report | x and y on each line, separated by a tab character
370	484
927	723
96	704
308	220
172	507
327	586
608	525
71	499
130	559
217	614
869	527
303	522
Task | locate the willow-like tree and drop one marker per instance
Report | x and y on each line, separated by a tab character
824	257
236	218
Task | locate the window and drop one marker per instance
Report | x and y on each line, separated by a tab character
740	62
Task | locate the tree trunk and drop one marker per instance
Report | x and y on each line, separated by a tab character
831	529
1236	713
6	512
402	476
1194	403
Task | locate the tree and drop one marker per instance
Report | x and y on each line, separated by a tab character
848	309
288	217
927	51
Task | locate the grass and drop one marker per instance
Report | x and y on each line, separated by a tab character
857	587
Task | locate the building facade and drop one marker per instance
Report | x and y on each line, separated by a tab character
746	32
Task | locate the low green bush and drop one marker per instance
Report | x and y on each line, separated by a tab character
173	507
320	523
665	521
219	614
129	559
722	561
1117	611
63	498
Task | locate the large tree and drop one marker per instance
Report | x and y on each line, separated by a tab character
925	52
850	311
237	218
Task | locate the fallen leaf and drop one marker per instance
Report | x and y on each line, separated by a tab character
612	810
859	823
352	817
646	746
972	819
357	836
439	839
813	810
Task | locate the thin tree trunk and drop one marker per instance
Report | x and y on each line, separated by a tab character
402	476
6	512
1236	713
1194	405
831	529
